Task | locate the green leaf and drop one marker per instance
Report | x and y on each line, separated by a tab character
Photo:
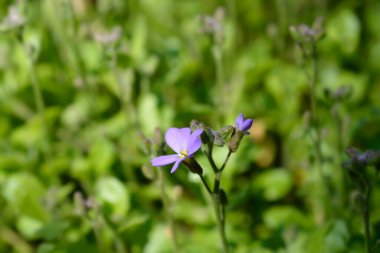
148	114
102	155
344	29
337	237
274	184
24	193
282	216
159	240
28	226
113	196
53	230
46	248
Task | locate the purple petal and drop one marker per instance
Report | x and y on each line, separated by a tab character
239	121
177	138
246	125
164	160
175	166
194	142
185	137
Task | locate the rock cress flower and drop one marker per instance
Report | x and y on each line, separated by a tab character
243	125
183	142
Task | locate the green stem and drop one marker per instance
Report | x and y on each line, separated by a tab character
226	160
219	207
205	183
209	157
220	218
96	227
314	110
366	218
367	235
38	98
218	58
342	180
315	124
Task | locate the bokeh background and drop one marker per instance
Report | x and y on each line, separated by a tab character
85	83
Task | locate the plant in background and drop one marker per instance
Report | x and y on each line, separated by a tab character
186	141
336	100
307	39
358	168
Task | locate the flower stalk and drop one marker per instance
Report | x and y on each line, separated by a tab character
186	141
358	168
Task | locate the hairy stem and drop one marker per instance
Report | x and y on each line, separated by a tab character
205	183
226	160
210	159
219	212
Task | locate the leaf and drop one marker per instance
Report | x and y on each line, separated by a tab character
274	184
344	29
102	155
46	248
113	196
148	113
52	230
28	226
280	216
24	193
337	237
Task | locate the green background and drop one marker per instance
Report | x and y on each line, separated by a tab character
84	84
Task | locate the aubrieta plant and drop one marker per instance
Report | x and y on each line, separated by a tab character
363	168
187	141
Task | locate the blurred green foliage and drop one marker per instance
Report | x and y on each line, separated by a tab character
84	84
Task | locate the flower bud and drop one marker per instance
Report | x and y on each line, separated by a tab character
207	136
193	166
234	143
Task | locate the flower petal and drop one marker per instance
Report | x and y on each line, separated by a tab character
175	166
246	125
164	160
194	142
185	135
177	138
239	121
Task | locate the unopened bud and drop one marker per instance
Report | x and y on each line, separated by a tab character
207	136
193	166
234	143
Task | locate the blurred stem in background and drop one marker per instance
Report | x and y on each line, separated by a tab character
74	46
213	25
360	170
125	85
168	206
307	39
336	99
31	53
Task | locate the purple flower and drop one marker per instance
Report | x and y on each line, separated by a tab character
243	125
183	142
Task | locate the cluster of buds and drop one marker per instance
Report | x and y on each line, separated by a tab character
303	33
186	141
358	170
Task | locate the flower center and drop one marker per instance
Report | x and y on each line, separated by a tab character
183	153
